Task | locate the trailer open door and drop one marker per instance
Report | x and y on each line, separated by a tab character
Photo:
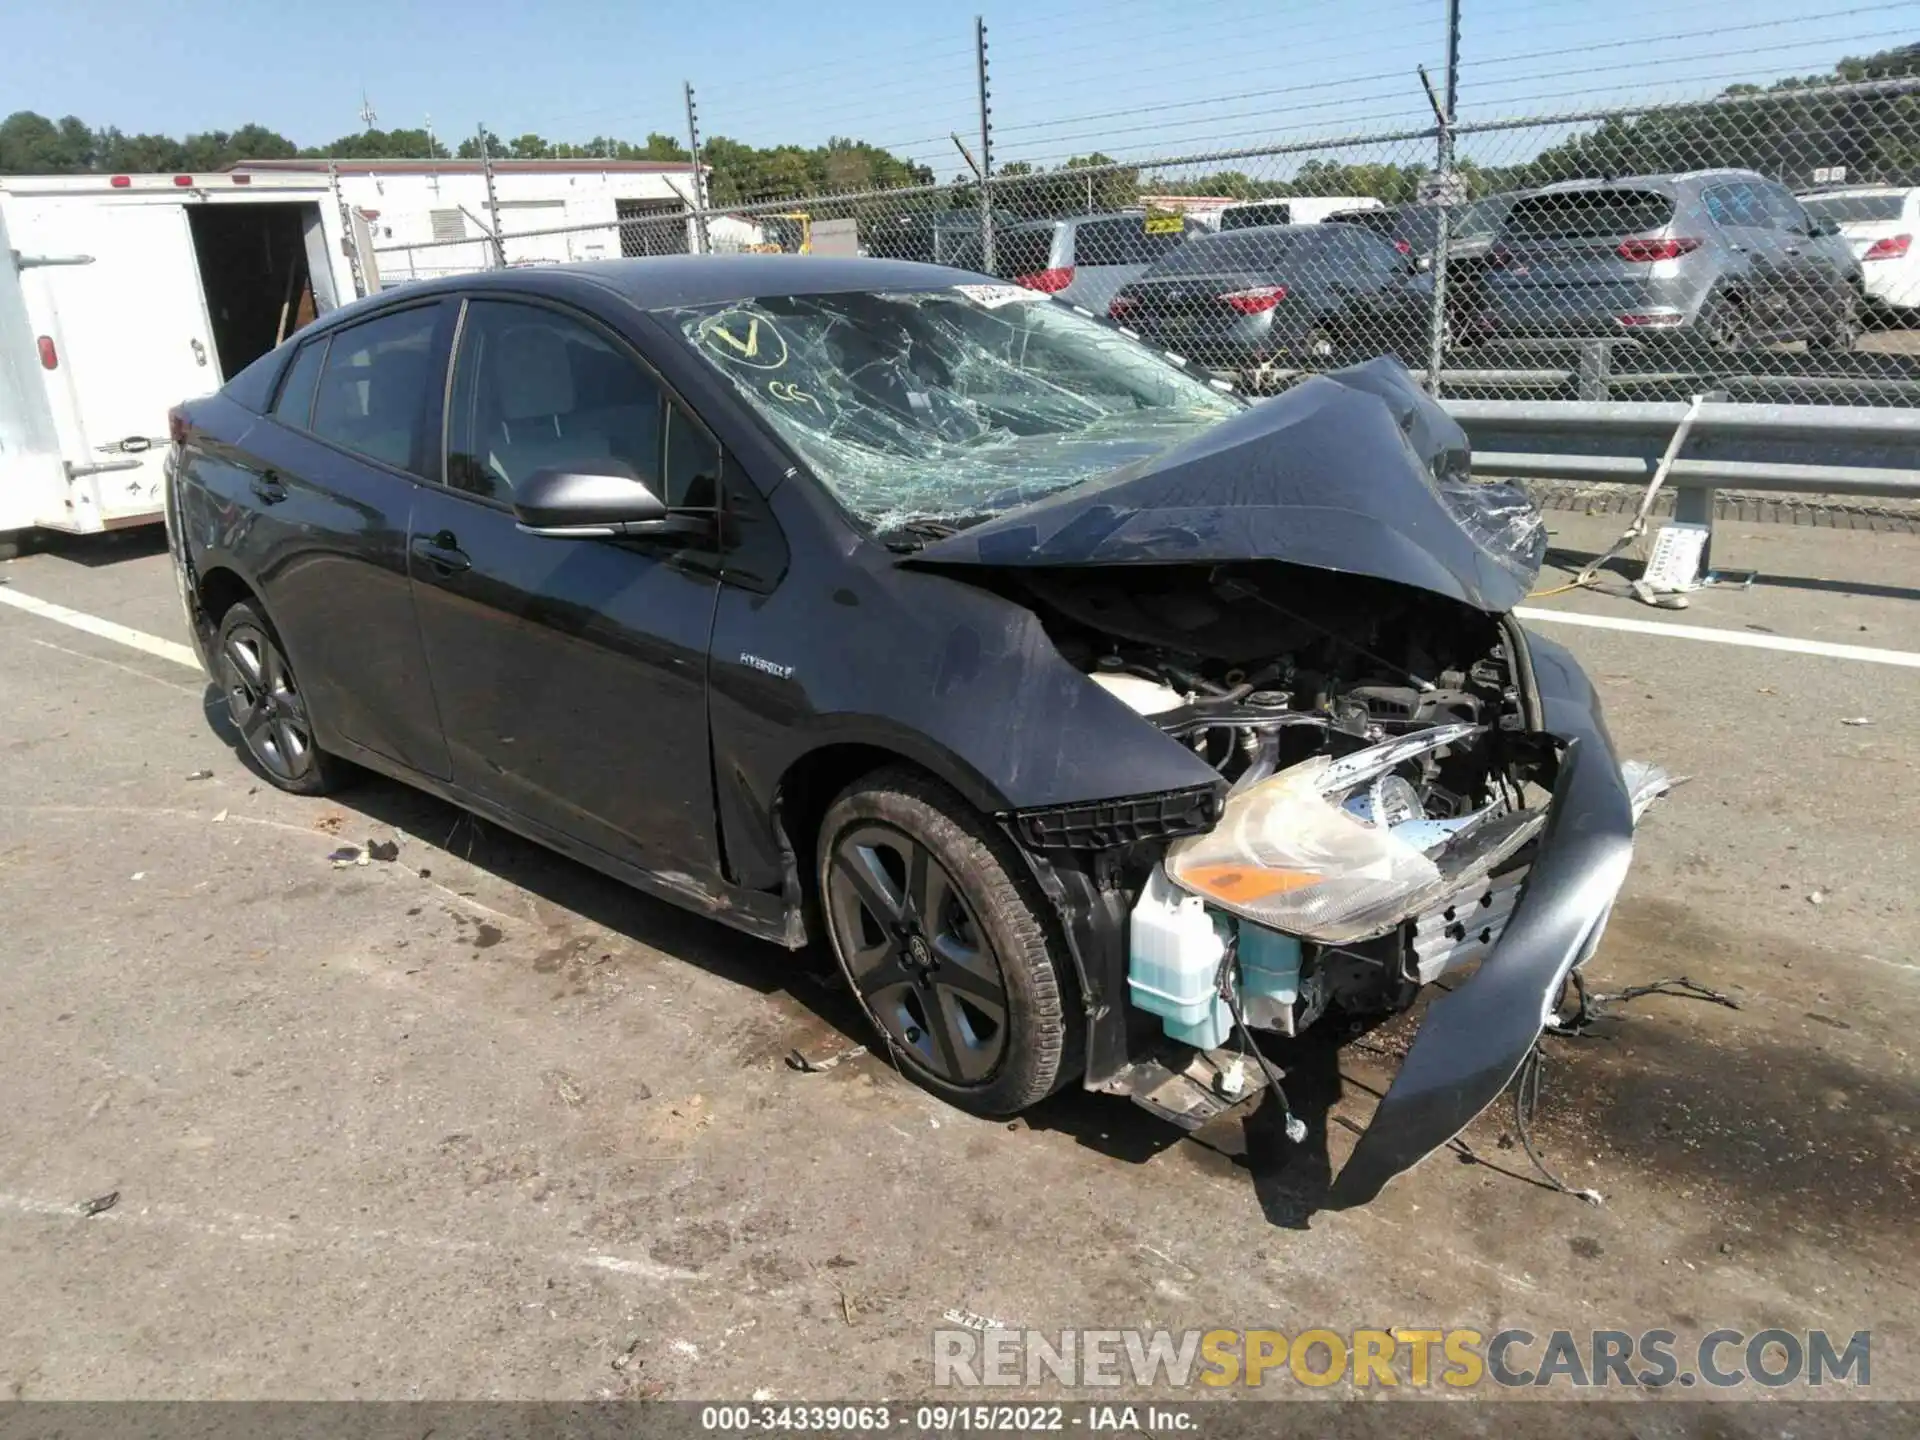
134	323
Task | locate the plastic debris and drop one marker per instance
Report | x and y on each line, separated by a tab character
100	1204
972	1321
220	819
798	1061
383	850
348	855
200	775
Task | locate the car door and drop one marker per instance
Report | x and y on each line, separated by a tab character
326	490
570	673
1740	213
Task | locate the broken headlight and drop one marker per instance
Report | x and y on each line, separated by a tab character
1324	851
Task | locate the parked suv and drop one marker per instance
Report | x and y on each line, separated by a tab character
1879	225
1725	256
1083	260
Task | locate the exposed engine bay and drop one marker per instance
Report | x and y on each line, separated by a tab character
1383	789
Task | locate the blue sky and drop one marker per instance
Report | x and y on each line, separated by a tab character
1130	77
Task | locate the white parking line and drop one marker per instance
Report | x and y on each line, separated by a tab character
105	629
1866	653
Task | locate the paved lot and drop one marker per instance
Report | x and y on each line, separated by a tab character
480	1123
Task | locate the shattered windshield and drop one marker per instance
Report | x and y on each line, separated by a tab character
949	405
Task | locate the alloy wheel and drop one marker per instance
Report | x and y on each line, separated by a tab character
265	704
917	954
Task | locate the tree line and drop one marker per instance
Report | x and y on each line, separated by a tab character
1786	130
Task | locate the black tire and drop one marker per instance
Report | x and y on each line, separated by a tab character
1723	327
267	706
897	843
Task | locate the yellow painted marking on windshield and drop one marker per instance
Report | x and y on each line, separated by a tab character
750	347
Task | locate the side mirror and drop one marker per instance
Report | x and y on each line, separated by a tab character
610	499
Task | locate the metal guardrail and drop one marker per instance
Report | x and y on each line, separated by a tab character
1808	449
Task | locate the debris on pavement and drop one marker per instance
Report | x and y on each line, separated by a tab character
626	1356
972	1321
330	822
200	775
221	818
1817	897
100	1204
383	850
347	856
138	875
798	1061
1856	720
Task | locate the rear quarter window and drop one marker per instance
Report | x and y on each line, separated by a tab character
295	405
1588	214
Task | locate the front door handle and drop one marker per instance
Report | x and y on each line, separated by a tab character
267	488
442	551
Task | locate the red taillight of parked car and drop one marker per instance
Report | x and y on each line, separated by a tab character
1405	247
1645	252
1052	280
1121	306
49	357
1256	300
1889	247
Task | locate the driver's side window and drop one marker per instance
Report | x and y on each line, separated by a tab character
537	390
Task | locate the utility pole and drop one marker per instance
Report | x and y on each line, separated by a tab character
493	205
1444	112
986	144
699	178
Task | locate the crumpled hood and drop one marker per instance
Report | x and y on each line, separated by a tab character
1357	471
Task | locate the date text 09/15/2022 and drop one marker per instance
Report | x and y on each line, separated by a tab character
985	1419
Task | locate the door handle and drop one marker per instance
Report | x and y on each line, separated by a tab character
199	352
268	489
442	551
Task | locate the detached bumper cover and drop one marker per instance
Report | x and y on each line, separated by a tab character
1473	1040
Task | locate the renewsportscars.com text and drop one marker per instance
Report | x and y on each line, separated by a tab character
1402	1356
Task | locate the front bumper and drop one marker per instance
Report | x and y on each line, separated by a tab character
1475	1038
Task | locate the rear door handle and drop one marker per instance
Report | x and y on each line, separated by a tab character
443	552
268	489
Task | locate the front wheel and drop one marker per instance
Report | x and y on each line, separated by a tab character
946	943
267	706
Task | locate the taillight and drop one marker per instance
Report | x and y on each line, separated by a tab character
1254	301
177	426
1120	305
183	181
1052	280
49	357
1890	247
1405	247
1645	252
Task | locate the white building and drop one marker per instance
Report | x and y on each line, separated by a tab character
546	211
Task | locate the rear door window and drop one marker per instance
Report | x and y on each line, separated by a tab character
1123	240
295	405
1588	215
374	385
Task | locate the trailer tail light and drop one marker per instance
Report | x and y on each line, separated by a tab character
1051	281
1645	252
183	180
1889	247
1257	300
177	426
49	357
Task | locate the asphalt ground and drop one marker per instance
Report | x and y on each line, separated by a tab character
480	1123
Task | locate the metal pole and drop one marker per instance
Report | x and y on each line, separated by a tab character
493	205
1443	233
699	176
986	145
346	232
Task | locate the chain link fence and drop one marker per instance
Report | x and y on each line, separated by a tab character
1718	230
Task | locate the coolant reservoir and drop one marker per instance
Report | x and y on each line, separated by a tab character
1175	947
1148	697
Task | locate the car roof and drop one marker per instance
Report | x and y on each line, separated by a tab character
1643	182
1828	191
668	281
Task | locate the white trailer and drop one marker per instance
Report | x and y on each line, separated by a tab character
121	296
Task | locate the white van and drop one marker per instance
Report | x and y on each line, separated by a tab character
1292	210
121	296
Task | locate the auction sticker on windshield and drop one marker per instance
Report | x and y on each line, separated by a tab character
994	296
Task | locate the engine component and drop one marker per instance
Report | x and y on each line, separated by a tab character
1145	696
1175	951
1269	977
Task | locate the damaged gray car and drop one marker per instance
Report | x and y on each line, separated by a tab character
1097	720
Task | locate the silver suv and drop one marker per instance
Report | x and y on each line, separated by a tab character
1084	259
1725	256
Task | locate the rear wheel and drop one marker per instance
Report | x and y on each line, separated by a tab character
945	943
1723	325
267	706
1843	331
